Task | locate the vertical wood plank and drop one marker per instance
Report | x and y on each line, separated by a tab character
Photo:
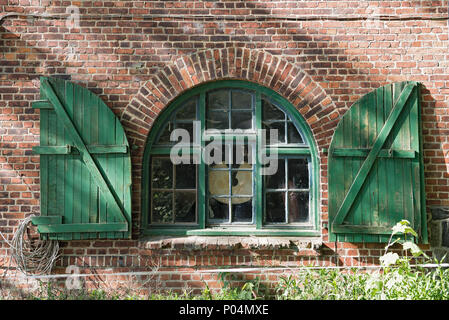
60	159
85	135
417	175
43	160
109	137
397	132
363	216
69	162
102	159
388	105
119	163
52	167
337	176
78	164
371	217
94	127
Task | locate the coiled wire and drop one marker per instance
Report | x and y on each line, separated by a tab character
32	257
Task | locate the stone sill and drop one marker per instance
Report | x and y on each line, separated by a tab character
230	242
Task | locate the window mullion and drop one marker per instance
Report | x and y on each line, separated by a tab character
287	206
173	192
201	183
165	151
288	150
258	192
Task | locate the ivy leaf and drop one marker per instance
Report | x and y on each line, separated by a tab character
389	259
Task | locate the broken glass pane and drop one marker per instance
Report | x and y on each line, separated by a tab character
185	206
275	207
162	173
298	174
162	207
298	206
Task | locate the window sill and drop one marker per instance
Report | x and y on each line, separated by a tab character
232	242
253	232
240	232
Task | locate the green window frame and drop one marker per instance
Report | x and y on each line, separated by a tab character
306	150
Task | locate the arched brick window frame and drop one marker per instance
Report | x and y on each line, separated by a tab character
252	65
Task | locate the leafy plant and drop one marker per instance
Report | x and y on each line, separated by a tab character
396	279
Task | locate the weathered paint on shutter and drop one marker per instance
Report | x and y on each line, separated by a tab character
375	166
85	165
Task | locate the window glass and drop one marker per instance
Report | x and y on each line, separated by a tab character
229	109
225	190
275	119
288	202
183	119
230	186
173	191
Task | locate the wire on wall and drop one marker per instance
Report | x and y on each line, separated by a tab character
32	257
249	17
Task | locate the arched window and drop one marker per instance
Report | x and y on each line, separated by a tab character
230	157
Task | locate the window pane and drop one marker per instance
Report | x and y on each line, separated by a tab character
217	120
162	207
242	156
217	155
164	137
185	206
188	127
241	100
185	176
241	120
275	207
219	209
242	183
298	174
219	180
277	180
293	134
298	206
162	173
242	212
280	127
218	99
271	112
188	111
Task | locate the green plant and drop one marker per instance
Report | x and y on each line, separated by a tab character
250	290
397	277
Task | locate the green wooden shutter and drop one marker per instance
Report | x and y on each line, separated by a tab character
85	165
375	167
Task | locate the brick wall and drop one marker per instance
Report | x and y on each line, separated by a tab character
138	56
